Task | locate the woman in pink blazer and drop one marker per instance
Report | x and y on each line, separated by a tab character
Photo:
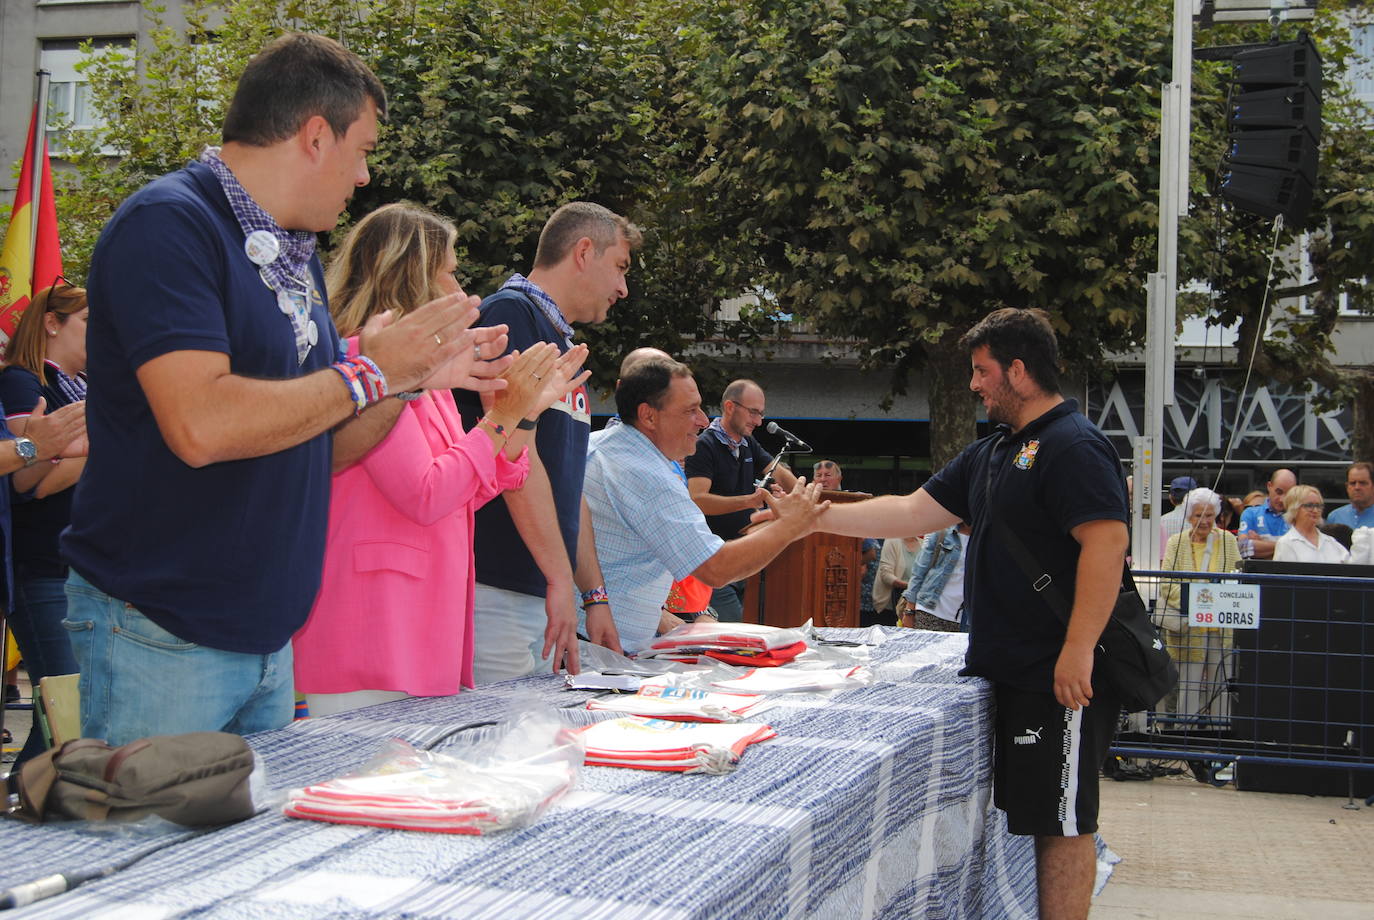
394	614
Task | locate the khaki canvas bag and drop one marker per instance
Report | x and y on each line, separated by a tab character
194	779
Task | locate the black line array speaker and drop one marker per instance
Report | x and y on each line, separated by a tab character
1274	125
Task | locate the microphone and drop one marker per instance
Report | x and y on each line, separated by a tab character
775	428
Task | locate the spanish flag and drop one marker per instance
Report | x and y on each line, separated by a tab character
25	262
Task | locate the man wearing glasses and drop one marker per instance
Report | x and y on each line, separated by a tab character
723	474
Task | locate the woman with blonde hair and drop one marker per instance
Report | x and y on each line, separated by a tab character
394	613
1201	652
1303	542
44	363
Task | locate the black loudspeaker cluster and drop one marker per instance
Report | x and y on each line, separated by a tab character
1274	123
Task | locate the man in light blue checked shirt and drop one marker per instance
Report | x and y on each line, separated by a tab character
649	532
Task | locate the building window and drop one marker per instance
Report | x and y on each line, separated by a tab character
69	94
1361	73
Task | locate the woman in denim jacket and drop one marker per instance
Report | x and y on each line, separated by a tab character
934	597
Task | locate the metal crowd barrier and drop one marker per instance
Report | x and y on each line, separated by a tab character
1275	690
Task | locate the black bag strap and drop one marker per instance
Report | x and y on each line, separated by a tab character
1040	580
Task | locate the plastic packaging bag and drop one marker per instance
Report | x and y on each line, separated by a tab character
796	681
713	635
680	747
745	644
601	660
494	782
680	704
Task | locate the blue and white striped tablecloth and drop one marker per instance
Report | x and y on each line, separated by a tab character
876	804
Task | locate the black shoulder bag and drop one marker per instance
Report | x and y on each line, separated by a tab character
1130	655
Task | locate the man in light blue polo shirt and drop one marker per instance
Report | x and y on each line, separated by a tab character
1359	486
649	532
1264	524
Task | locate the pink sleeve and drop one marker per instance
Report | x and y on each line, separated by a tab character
425	486
510	474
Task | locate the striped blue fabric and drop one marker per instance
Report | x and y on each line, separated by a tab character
875	804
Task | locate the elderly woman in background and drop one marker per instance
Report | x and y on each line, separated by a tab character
1302	509
44	362
394	613
894	567
1201	652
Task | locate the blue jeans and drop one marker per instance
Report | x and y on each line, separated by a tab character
138	679
40	603
728	602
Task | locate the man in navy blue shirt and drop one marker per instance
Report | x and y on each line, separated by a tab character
1054	481
533	544
722	474
198	526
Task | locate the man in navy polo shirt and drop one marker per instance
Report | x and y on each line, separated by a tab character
533	544
721	476
1264	524
1055	481
198	526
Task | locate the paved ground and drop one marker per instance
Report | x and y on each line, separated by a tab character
1192	851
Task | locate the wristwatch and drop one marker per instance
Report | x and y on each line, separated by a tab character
26	449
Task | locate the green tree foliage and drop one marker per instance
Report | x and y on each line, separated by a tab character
887	171
901	167
162	103
898	168
499	112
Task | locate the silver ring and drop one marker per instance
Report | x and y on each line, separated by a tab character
477	351
535	376
438	341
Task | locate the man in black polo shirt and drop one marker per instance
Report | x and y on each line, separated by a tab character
1055	481
721	476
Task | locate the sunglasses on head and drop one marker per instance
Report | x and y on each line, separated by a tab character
59	280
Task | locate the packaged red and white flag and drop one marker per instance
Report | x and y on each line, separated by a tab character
680	704
658	744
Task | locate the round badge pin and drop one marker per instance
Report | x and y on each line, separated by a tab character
261	247
312	333
285	303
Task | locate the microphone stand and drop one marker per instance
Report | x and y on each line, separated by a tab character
788	441
765	483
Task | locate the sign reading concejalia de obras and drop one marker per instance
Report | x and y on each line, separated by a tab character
1229	606
1277	422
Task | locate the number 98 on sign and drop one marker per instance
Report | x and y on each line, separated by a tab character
1225	606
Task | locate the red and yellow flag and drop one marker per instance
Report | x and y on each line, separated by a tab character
25	262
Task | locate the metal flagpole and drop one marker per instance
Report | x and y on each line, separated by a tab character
35	193
40	133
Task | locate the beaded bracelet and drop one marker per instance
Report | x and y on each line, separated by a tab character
496	427
374	381
355	389
365	381
595	596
